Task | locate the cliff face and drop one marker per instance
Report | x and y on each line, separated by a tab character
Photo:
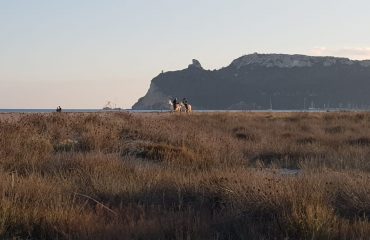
154	99
262	81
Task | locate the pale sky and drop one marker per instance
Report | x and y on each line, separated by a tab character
83	53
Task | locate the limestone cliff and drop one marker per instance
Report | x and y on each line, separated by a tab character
264	81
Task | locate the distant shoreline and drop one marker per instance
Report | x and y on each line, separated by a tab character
164	111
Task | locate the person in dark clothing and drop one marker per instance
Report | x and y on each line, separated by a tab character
185	102
175	103
59	109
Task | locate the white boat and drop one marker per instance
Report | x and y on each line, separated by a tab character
111	107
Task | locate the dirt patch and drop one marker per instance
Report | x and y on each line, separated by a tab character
158	152
289	160
335	130
306	140
242	133
363	141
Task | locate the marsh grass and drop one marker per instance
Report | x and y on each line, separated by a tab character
198	176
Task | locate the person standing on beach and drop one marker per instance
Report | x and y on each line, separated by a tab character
175	103
185	102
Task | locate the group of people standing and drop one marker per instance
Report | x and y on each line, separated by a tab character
175	103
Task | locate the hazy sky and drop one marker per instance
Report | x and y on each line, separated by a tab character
82	53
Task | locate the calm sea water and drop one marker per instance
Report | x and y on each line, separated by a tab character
45	110
158	111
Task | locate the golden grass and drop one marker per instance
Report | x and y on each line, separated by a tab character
172	176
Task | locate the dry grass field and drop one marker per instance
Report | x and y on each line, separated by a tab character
172	176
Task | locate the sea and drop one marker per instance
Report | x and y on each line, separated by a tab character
47	110
159	111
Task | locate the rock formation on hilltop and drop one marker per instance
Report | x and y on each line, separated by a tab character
264	81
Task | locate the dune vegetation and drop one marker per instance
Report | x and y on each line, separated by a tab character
179	176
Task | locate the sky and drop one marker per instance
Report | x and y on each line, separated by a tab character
83	53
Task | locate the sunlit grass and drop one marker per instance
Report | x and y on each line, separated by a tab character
198	176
